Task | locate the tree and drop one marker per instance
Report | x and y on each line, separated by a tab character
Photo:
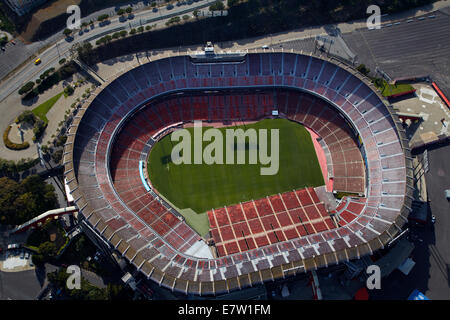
379	82
102	17
231	3
69	90
217	6
48	250
27	87
57	155
27	116
129	10
9	191
38	259
363	69
67	32
186	17
121	12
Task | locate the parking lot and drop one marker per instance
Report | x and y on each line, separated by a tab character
16	260
411	47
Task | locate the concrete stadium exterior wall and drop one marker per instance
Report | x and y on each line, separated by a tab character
249	279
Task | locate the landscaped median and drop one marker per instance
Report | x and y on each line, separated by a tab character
41	110
11	145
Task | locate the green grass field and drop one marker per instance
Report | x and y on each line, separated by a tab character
202	187
42	109
389	89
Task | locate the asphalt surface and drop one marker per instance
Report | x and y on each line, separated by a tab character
59	46
23	285
413	47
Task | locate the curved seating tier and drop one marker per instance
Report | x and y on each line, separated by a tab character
101	165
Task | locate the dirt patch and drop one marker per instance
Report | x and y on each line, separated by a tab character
47	12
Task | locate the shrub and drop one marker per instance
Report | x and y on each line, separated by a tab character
129	9
62	61
121	12
102	17
69	90
140	29
148	28
26	87
133	31
11	145
67	32
57	155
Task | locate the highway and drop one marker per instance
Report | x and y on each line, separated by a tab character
51	56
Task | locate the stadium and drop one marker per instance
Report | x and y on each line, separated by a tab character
270	235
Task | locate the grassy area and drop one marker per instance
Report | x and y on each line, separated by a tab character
42	109
340	195
202	187
389	89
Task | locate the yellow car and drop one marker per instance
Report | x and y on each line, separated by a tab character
37	61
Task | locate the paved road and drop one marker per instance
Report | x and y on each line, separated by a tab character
19	285
60	49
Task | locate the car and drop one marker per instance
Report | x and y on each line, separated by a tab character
447	194
37	61
22	255
265	46
27	255
155	9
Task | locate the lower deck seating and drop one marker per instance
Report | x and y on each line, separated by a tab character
273	219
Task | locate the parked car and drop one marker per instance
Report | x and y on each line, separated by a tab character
22	255
27	255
